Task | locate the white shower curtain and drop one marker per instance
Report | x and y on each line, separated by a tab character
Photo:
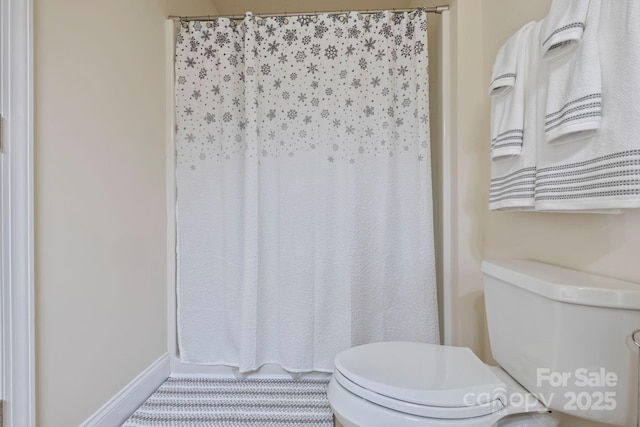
304	189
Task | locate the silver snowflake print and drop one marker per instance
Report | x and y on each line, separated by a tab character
375	82
271	30
307	120
418	48
361	149
290	36
403	70
363	63
305	20
330	159
370	44
266	69
182	80
352	160
343	74
227	117
336	147
190	137
300	56
399	121
285	95
368	110
315	49
385	91
328	91
273	47
315	84
202	156
227	78
350	130
209	52
292	114
397	18
353	32
410	30
216	90
315	102
391	111
368	131
380	55
350	50
193	167
206	35
406	51
277	84
222	39
272	135
271	114
405	86
197	26
188	111
293	76
406	102
398	40
338	32
236	102
260	88
209	118
356	83
420	157
203	73
306	40
196	94
336	123
302	97
331	52
191	62
349	102
320	29
424	118
282	59
324	114
312	68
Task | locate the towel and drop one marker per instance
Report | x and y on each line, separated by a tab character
507	89
513	178
603	171
574	101
563	27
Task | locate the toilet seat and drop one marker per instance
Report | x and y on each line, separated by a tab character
420	379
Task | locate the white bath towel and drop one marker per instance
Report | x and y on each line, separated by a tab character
513	178
574	101
507	89
602	172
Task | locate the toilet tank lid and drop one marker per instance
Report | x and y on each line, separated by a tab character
565	285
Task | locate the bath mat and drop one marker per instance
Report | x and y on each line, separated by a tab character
221	402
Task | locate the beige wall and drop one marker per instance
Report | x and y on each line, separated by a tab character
100	198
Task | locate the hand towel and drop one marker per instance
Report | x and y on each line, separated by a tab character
513	178
507	96
574	100
602	172
563	27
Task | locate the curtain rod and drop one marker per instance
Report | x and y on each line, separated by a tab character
437	9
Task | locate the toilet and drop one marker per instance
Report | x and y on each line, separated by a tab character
563	342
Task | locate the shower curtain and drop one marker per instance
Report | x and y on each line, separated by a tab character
304	212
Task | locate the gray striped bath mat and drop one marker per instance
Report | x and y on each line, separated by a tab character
220	402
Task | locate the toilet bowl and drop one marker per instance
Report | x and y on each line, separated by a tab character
545	322
415	384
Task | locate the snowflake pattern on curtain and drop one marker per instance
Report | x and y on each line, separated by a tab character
342	85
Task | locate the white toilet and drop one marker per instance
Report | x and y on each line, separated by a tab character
562	338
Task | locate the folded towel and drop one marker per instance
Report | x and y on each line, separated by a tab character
513	178
603	172
574	101
563	27
507	96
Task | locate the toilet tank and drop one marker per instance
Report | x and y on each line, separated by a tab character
565	336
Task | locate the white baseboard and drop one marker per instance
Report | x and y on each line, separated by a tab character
122	405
